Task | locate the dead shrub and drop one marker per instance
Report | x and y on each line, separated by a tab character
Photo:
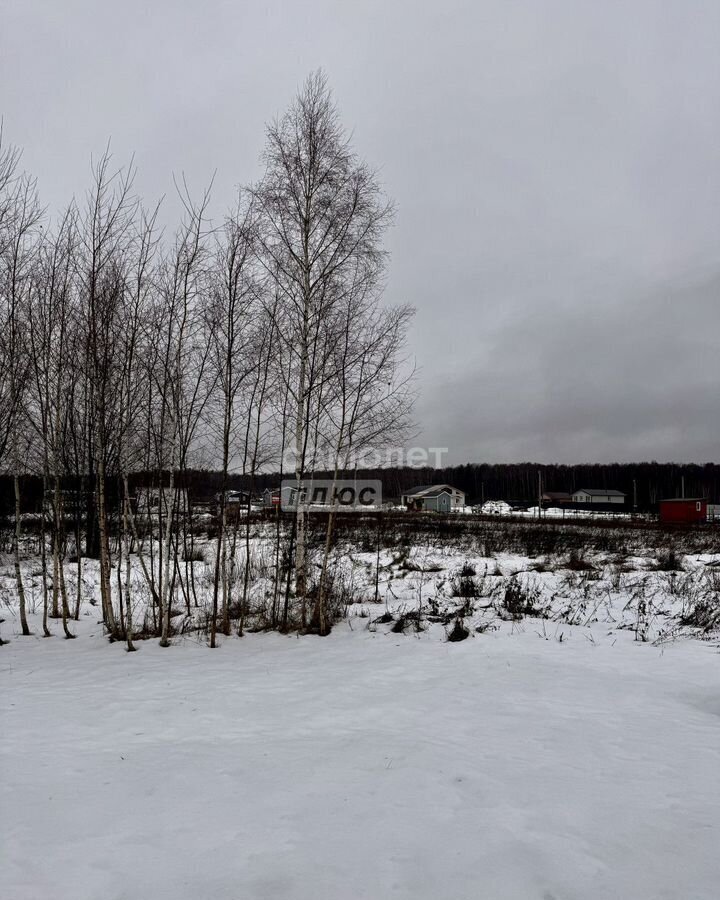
577	563
668	561
196	554
412	621
458	632
704	615
384	619
520	599
464	586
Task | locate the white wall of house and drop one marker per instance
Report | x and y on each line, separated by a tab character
585	497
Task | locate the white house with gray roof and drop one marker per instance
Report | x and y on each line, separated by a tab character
435	497
588	495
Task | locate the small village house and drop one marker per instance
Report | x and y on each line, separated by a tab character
591	496
232	498
434	497
271	498
236	504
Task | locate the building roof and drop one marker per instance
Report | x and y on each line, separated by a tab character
417	490
605	493
684	500
430	490
557	495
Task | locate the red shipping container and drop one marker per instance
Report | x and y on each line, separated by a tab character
683	510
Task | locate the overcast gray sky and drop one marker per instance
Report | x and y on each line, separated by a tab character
555	164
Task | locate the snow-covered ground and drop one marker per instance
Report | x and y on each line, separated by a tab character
570	753
365	765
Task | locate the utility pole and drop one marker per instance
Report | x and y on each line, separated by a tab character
634	495
539	494
682	493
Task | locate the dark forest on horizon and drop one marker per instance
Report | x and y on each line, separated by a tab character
516	483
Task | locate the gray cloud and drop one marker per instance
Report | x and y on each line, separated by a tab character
554	166
617	377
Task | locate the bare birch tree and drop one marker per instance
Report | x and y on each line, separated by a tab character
21	214
232	320
106	234
321	210
180	375
51	319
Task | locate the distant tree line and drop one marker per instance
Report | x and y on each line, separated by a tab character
517	483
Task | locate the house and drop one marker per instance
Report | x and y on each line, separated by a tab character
683	511
588	495
271	498
556	498
232	498
435	497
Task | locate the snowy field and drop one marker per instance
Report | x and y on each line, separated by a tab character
523	762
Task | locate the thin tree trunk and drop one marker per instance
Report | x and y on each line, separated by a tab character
126	549
58	561
43	561
133	527
78	551
78	586
166	586
300	445
18	573
55	613
218	565
105	587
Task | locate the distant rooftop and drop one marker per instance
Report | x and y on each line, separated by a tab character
429	490
603	491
